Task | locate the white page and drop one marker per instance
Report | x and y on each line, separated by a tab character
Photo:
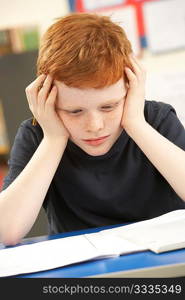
46	255
116	245
159	234
158	237
178	214
163	233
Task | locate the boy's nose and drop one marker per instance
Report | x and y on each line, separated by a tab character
94	123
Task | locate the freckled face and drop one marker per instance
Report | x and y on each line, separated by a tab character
92	116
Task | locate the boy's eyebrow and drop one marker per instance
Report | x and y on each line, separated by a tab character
112	101
108	102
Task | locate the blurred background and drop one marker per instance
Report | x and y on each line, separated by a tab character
156	29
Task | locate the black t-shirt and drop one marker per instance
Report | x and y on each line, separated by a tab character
119	186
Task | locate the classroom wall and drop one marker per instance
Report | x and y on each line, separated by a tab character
21	12
166	79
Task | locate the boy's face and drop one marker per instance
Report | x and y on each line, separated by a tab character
92	116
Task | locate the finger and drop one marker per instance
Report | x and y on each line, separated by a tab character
50	102
131	77
135	66
137	62
52	96
138	68
36	84
45	89
39	80
31	89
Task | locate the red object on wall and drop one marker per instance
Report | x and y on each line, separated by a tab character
138	4
139	12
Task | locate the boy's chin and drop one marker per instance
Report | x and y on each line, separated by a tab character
96	151
93	151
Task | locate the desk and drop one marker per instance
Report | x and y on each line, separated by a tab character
143	264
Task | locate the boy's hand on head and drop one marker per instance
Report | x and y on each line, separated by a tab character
133	111
41	95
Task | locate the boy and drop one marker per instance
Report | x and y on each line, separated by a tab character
99	154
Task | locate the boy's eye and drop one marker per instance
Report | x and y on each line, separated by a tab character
107	107
77	111
110	107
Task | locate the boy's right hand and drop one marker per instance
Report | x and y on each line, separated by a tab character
41	97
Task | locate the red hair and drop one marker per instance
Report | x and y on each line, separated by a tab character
84	50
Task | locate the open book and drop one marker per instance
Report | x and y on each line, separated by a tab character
159	234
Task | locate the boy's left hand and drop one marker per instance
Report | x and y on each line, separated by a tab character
133	111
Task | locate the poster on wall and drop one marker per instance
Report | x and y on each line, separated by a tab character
164	25
136	25
126	18
122	12
87	6
97	4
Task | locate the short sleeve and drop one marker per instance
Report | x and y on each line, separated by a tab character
164	119
172	128
25	144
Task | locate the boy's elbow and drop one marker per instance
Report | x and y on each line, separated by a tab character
10	242
10	239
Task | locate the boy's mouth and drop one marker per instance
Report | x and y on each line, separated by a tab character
96	141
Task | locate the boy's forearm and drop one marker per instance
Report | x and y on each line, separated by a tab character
168	158
20	203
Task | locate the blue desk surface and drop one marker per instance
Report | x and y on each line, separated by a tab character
124	263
